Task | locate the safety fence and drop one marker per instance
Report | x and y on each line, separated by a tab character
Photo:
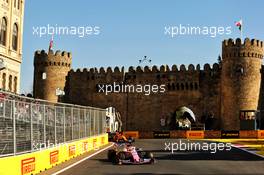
27	124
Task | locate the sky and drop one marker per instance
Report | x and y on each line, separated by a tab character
130	30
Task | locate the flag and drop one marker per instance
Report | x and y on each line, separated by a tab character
51	43
239	24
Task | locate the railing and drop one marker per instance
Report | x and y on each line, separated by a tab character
27	123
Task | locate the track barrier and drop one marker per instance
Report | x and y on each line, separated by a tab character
200	134
133	134
38	161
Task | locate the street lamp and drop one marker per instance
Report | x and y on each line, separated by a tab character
59	93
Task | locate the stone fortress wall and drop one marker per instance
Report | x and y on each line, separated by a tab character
220	90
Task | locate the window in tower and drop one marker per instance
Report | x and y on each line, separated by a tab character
191	86
10	83
4	81
239	70
44	76
15	37
178	86
173	86
15	84
18	4
3	32
182	86
195	86
15	1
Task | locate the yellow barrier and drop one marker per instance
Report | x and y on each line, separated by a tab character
35	162
133	134
195	134
261	134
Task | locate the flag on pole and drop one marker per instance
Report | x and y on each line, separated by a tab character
239	24
51	44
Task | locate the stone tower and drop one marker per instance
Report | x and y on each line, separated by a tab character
50	71
240	79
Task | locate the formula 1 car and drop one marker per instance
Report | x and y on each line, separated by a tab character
127	154
111	138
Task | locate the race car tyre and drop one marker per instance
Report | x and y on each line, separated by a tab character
117	161
111	155
149	155
145	155
122	156
152	161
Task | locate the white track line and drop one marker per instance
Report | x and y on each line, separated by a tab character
76	163
244	149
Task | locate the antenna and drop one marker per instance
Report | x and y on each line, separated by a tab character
145	59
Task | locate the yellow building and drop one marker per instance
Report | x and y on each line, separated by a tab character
11	36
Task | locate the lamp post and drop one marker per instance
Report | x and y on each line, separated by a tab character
59	93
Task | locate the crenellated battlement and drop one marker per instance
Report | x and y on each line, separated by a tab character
247	42
249	48
53	59
147	69
144	72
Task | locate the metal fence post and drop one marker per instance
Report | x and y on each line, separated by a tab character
64	132
102	121
44	125
31	127
79	122
85	122
90	122
72	122
98	121
55	124
14	125
94	124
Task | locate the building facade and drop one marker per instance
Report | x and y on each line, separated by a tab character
11	37
220	91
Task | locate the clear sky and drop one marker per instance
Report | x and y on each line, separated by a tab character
131	29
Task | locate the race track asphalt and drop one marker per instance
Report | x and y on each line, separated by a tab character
190	161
